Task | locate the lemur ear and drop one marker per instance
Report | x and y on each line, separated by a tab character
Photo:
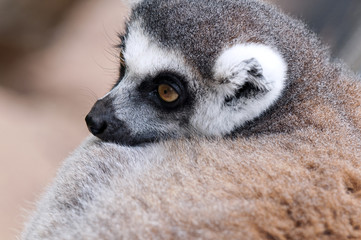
247	70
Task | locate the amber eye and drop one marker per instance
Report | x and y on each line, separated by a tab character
167	93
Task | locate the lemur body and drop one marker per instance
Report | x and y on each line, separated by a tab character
278	186
284	160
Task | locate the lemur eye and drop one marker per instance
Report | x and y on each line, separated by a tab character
167	93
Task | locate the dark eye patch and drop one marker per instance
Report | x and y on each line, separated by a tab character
122	70
149	89
122	65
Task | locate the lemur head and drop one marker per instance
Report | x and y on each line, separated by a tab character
194	67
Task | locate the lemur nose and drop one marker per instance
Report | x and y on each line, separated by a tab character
95	125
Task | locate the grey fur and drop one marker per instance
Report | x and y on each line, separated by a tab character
292	173
197	32
201	29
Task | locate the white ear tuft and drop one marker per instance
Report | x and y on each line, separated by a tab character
256	64
272	65
249	79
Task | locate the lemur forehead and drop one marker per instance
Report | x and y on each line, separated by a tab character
145	57
199	29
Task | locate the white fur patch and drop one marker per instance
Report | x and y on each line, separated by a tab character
273	66
213	116
144	57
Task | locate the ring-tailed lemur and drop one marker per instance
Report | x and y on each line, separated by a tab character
203	67
187	73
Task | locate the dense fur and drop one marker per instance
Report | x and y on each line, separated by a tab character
227	68
301	186
292	173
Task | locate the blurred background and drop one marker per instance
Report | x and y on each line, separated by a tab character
57	57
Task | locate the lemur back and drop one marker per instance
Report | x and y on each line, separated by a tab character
229	121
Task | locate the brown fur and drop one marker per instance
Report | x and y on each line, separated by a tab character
296	177
300	185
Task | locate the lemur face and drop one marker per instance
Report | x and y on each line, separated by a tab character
165	90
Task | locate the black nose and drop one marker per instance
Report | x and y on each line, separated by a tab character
96	125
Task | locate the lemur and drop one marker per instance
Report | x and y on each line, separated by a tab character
183	73
192	73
